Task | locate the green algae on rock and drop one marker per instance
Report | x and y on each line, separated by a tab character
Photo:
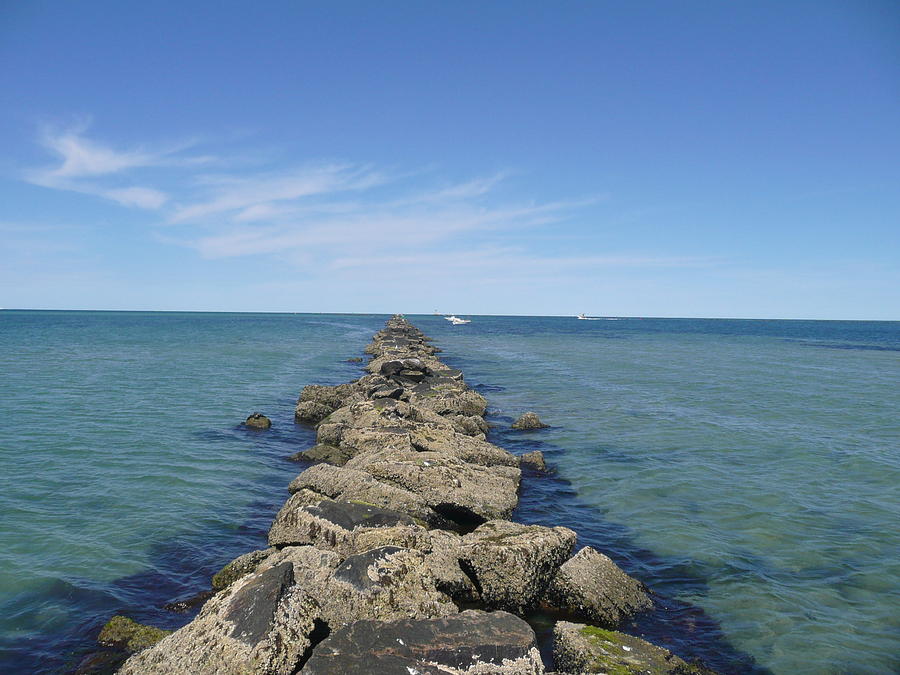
579	648
120	631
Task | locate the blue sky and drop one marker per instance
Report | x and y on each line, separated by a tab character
721	159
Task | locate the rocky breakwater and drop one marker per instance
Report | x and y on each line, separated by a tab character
395	552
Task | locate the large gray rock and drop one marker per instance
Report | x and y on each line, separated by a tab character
350	484
466	448
386	583
317	401
512	563
330	525
578	648
592	586
470	425
449	397
470	643
311	412
388	423
441	549
467	494
261	624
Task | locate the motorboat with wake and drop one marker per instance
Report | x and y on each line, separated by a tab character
456	321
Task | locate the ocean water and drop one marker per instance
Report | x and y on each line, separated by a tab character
747	471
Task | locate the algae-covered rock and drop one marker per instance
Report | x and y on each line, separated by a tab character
122	632
244	564
534	459
529	420
258	421
322	452
578	648
594	587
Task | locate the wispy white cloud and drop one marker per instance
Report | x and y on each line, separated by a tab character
252	197
345	216
374	227
142	197
87	166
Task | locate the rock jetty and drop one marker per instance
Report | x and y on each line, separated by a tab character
395	552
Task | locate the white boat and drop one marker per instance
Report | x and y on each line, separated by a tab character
583	317
456	321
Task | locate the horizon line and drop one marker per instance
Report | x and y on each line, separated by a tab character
523	316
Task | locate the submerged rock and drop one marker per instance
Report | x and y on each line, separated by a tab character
594	587
187	604
529	420
512	563
534	459
469	642
578	648
258	421
127	634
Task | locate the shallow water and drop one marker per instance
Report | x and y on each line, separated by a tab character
745	470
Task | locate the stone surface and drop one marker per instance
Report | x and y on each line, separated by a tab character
511	563
529	420
321	452
122	632
349	484
311	412
238	567
466	643
466	448
261	624
467	494
592	586
578	648
386	583
534	460
330	525
258	421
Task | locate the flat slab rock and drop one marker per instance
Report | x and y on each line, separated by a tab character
578	648
470	642
329	525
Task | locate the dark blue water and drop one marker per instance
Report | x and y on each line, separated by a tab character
746	470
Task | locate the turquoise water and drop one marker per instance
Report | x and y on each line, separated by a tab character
746	470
